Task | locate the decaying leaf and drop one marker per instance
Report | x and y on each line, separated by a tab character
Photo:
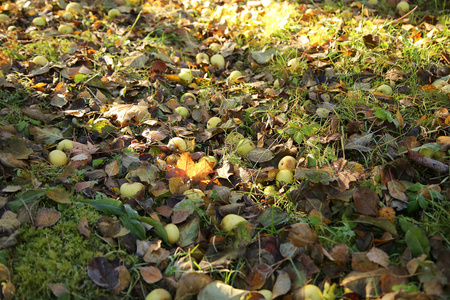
366	201
300	234
102	273
150	274
46	217
191	284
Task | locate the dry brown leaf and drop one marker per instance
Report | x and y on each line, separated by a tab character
46	217
366	201
300	234
83	228
378	256
150	274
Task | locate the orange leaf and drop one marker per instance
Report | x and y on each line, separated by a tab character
195	171
39	87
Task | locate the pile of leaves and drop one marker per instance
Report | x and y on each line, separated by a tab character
162	147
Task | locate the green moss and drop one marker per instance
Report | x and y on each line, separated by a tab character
57	254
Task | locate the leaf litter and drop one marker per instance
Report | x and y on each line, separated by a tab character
352	92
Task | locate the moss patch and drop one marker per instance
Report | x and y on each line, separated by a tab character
57	254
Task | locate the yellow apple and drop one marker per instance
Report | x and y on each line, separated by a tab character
186	75
182	111
231	221
73	7
202	58
215	47
40	60
235	75
403	7
270	191
311	292
65	144
65	29
234	138
245	146
384	89
187	96
266	293
287	163
372	2
130	190
68	16
177	143
213	122
173	233
159	294
209	158
4	18
426	152
217	61
439	155
284	176
57	158
194	194
39	21
113	13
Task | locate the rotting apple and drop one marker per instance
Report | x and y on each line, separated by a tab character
403	7
73	7
173	233
40	60
235	75
217	61
209	158
270	191
284	177
287	163
186	76
68	16
193	194
187	96
39	21
213	122
245	146
234	138
113	13
130	190
57	158
172	159
384	89
4	18
177	143
231	221
439	155
202	58
182	111
65	144
214	47
159	294
65	29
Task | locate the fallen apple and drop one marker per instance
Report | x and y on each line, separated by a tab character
267	294
113	13
12	28
159	294
4	18
65	144
439	83
294	63
65	29
68	16
73	7
235	75
182	111
57	158
284	177
173	233
440	156
194	194
403	7
231	221
202	58
40	60
310	292
372	2
234	138
245	146
217	61
384	89
186	76
287	163
172	159
39	21
187	96
209	158
270	191
214	47
426	152
130	190
213	122
177	143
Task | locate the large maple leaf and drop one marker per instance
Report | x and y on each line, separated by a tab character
195	171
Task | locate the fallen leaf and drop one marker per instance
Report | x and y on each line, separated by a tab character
366	201
378	256
300	234
282	284
150	274
59	195
191	284
102	273
58	289
83	228
46	217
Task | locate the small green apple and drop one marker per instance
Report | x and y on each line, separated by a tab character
287	163
182	111
173	233
311	292
284	176
159	294
403	7
68	16
177	143
234	138
202	58
270	191
384	89
186	75
217	61
209	158
4	18
187	96
439	155
267	294
213	122
235	75
39	21
245	146
215	47
40	60
113	13
231	221
65	144
65	29
426	152
57	158
11	28
194	194
372	2
130	190
73	7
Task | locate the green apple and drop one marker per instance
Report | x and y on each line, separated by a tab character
284	176
270	191
39	21
372	2
113	13
130	190
40	60
11	28
234	138
57	158
73	7
245	146
202	58
235	75
217	61
186	96
177	143
215	47
68	16
213	122
311	292
439	155
159	294
231	221
193	194
186	75
173	233
426	152
403	7
4	18
65	29
65	144
287	163
267	294
209	158
384	89
182	111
